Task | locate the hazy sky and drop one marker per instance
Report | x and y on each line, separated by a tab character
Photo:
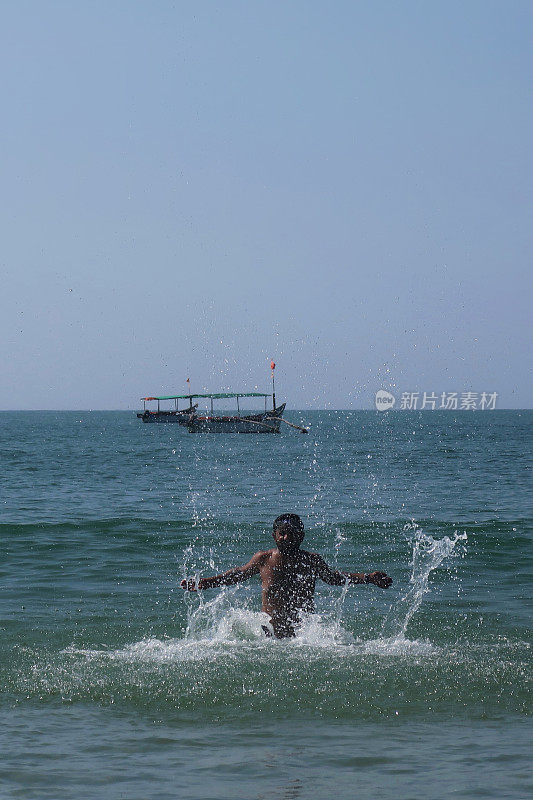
190	189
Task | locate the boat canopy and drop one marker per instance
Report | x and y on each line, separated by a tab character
218	396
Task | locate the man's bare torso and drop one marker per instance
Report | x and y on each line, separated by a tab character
288	586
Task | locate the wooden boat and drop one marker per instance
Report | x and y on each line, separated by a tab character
267	421
262	422
166	415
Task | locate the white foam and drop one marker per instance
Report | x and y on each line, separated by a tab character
238	633
400	646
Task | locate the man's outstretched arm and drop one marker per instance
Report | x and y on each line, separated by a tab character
336	578
232	576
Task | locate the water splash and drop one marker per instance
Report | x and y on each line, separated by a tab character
223	619
226	626
340	538
428	554
229	618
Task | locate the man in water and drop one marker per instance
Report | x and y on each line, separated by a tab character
288	577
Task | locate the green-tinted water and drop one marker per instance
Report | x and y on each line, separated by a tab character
115	684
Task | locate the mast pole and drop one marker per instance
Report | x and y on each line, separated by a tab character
273	367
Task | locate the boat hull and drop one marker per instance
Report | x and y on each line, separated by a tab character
172	417
267	422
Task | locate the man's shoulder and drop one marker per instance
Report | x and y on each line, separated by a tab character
263	555
312	557
315	561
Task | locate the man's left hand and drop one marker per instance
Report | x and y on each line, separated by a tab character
380	579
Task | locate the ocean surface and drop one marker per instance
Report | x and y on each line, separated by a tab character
116	684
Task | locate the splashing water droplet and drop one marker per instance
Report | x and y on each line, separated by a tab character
428	554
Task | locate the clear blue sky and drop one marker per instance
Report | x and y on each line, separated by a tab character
192	188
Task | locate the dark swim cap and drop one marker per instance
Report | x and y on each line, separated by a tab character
291	521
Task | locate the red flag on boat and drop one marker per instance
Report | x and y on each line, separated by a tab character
272	365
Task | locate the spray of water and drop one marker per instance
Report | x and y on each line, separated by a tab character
226	624
428	554
228	616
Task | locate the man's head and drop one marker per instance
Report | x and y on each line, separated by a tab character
288	532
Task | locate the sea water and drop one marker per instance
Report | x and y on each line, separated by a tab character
117	684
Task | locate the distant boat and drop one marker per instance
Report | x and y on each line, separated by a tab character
267	421
168	415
